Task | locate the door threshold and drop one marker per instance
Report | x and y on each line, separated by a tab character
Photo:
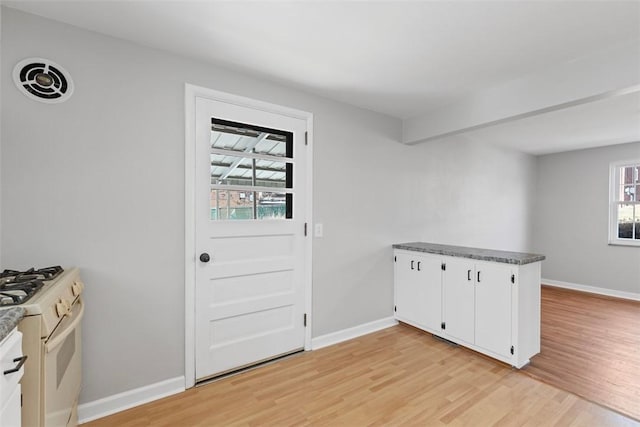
248	367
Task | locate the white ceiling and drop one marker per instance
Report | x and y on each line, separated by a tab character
401	58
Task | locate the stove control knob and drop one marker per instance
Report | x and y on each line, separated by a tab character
61	309
76	288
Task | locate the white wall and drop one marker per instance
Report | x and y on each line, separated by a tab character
571	220
98	182
469	194
451	191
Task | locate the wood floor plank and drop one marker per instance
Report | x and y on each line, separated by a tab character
398	376
590	346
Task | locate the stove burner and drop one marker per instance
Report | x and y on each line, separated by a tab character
46	273
18	293
16	287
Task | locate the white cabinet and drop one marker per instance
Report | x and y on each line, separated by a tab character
493	307
490	307
11	371
418	294
10	414
459	299
477	298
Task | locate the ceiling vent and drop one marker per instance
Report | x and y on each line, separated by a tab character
43	80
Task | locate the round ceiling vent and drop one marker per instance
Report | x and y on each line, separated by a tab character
43	80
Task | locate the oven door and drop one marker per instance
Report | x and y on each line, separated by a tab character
62	370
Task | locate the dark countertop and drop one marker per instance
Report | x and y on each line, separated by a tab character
9	319
506	257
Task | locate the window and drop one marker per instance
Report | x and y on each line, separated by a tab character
624	217
251	172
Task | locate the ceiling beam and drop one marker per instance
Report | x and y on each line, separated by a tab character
604	74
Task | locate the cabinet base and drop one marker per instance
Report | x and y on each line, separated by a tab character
444	340
511	360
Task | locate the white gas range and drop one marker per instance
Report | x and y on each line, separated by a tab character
52	341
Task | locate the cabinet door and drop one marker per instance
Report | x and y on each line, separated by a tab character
10	413
418	290
429	273
493	308
406	305
459	307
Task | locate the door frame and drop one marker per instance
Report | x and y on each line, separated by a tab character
191	93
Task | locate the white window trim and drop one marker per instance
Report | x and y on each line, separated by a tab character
613	202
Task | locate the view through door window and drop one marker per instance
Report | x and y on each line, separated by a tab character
251	172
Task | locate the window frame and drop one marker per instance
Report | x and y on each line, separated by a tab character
287	159
614	185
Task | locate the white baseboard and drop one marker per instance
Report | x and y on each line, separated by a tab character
592	289
119	402
350	333
128	399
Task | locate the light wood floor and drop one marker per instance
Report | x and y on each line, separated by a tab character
590	345
398	376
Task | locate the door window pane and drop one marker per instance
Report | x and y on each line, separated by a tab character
233	204
246	171
272	205
247	161
230	204
244	138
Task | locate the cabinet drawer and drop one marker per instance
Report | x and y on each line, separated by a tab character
10	350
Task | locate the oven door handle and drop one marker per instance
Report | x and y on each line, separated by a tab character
55	342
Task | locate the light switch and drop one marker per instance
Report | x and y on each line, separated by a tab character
317	230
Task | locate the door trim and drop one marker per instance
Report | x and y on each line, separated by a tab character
191	93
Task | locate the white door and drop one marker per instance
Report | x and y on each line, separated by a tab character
250	230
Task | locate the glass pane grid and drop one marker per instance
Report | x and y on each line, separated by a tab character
628	221
239	205
629	193
236	170
271	147
629	174
257	159
251	154
238	139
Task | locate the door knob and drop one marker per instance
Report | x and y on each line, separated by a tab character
204	257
